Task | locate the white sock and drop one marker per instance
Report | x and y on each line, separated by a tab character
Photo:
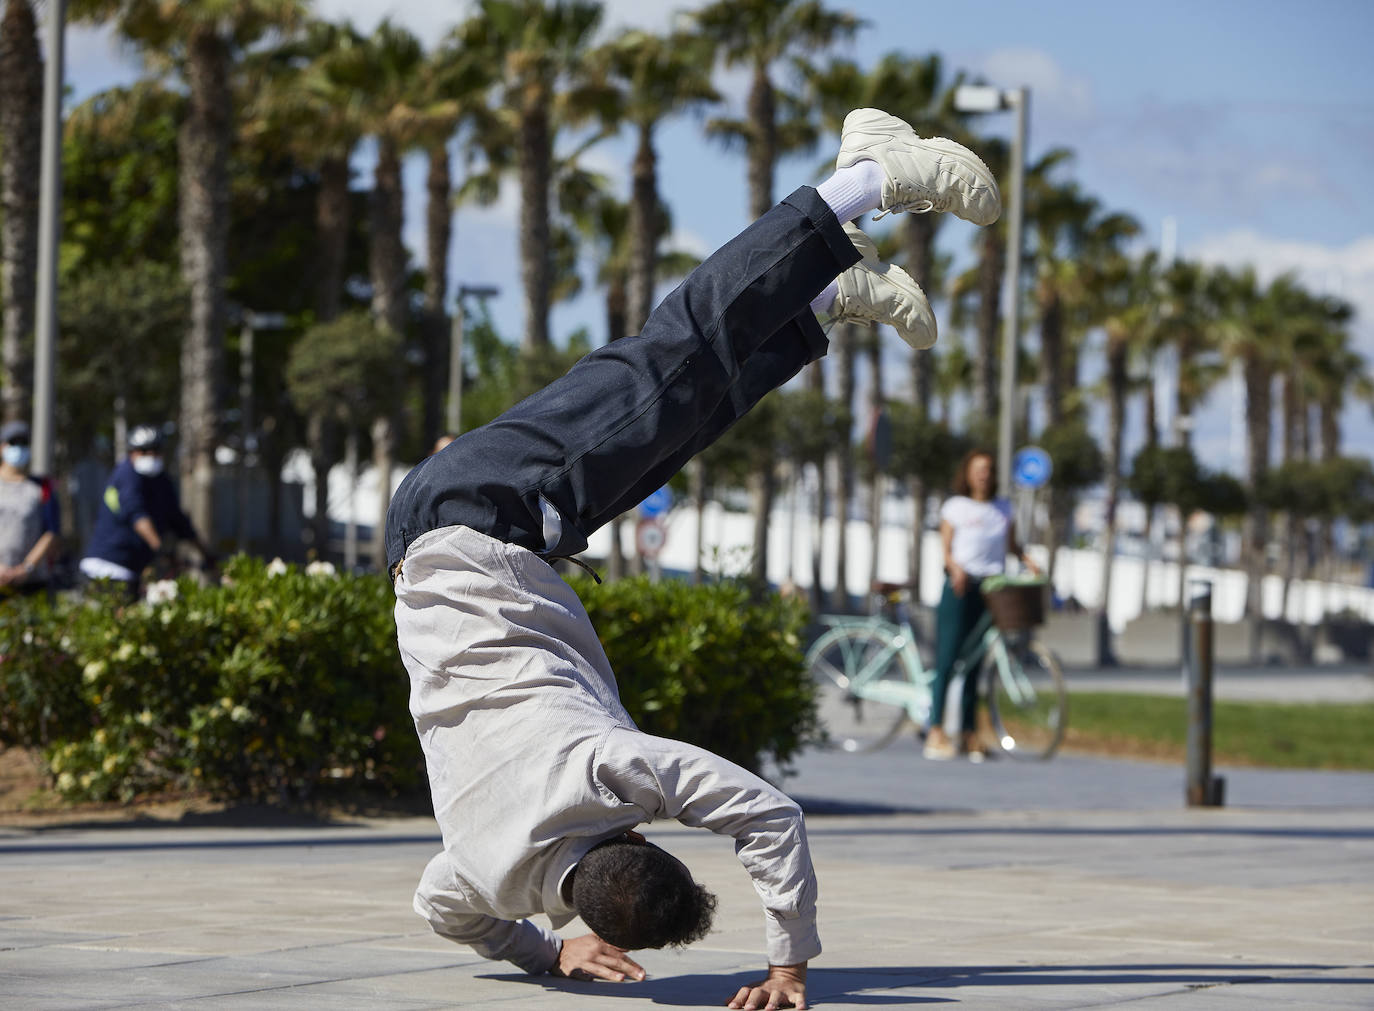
854	191
825	301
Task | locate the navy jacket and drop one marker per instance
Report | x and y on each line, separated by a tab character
128	496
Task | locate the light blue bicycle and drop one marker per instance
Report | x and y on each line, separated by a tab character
871	681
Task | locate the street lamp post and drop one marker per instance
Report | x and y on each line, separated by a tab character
49	221
453	419
984	98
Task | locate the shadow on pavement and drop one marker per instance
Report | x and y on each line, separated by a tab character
853	985
1308	832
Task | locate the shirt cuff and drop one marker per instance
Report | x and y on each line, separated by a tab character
791	941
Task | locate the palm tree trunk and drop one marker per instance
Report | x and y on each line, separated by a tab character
1257	405
616	316
438	239
763	142
383	456
644	228
534	156
921	381
1117	379
21	130
815	380
696	477
919	242
762	491
332	223
875	484
321	438
1052	356
844	460
386	252
203	150
990	267
763	156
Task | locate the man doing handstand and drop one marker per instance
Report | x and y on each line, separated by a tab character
538	775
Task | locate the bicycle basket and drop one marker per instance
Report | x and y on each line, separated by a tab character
1017	606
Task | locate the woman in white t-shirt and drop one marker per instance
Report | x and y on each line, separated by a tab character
977	534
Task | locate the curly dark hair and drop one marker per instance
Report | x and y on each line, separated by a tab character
961	485
635	895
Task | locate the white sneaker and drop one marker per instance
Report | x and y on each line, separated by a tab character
875	292
923	173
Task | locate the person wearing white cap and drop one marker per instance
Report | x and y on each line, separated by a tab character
29	520
138	510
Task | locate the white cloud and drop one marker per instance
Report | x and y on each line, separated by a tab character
1052	87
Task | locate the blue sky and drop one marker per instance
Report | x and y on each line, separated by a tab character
1250	124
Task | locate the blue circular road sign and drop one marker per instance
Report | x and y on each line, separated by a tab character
657	503
1031	467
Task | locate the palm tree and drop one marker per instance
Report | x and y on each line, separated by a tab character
976	295
605	221
451	90
658	77
914	87
1252	325
199	42
757	34
310	95
1125	292
21	130
544	84
1073	241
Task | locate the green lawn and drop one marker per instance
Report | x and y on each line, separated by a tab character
1284	735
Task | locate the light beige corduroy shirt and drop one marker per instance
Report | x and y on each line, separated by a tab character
533	760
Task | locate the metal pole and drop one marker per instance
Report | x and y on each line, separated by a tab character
1019	99
1202	789
49	225
454	420
246	417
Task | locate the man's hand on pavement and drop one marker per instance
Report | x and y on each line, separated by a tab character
589	957
784	987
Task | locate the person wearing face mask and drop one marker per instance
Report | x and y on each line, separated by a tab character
29	520
138	510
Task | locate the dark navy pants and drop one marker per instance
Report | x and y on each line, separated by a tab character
628	416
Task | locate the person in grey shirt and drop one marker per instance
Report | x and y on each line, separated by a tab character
538	775
29	519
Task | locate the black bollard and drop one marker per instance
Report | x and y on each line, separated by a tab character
1202	789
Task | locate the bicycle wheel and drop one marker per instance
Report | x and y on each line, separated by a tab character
861	687
1027	701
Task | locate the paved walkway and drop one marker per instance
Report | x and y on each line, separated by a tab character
1075	883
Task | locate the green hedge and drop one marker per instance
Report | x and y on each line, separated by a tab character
284	678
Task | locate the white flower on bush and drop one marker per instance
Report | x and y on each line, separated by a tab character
145	718
66	782
125	653
276	567
161	591
93	671
324	569
240	714
27	637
